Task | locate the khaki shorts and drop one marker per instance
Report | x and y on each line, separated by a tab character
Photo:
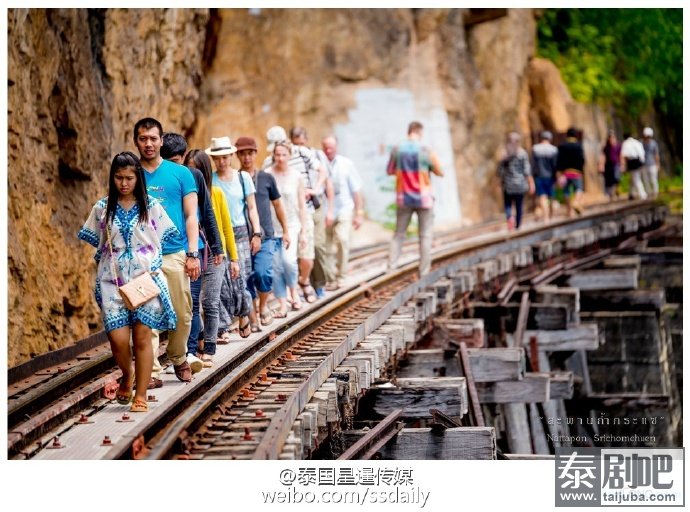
308	252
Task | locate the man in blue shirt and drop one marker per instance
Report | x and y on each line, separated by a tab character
173	185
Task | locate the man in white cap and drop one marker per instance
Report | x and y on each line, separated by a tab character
314	174
650	171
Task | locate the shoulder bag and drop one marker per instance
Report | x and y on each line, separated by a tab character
139	290
245	208
314	199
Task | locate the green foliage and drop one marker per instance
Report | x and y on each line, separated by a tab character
629	58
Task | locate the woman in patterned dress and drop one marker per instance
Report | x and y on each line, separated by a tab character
127	228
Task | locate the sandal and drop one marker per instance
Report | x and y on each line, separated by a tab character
309	293
246	329
278	314
139	405
183	372
207	359
123	398
296	306
256	328
333	285
154	383
266	317
224	338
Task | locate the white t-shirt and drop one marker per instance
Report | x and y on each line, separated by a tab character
632	148
346	181
288	184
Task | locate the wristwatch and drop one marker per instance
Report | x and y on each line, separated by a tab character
258	235
193	254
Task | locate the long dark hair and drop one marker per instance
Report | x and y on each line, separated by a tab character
199	160
122	160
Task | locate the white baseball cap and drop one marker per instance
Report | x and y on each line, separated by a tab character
648	132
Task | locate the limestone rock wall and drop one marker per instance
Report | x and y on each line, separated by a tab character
79	79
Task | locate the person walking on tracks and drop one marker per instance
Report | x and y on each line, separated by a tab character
323	273
650	171
173	185
314	176
127	228
516	179
216	271
632	161
291	187
174	148
260	283
610	165
239	191
544	157
412	163
347	205
570	166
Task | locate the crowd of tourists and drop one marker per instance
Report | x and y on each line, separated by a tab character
210	247
559	169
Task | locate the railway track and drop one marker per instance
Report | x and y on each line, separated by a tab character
51	387
247	405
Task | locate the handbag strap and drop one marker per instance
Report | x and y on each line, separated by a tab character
112	254
245	207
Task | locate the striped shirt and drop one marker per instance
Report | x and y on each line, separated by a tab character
513	171
412	164
304	161
544	156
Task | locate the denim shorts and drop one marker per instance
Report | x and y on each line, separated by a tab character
544	186
261	278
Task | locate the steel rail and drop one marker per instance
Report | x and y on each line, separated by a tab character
366	447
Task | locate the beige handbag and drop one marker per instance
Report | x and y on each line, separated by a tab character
139	290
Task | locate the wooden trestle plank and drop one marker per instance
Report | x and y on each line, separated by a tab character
608	279
534	387
461	443
497	364
585	336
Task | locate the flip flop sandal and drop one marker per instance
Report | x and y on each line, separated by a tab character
224	339
266	317
278	314
246	330
139	406
309	293
296	307
256	328
125	398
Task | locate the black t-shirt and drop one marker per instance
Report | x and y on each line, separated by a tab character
570	156
266	191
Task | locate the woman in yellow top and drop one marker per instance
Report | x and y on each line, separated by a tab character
216	270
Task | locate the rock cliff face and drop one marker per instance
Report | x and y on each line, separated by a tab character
79	80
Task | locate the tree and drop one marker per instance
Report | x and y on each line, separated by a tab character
631	59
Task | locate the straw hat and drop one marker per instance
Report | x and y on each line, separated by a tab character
220	146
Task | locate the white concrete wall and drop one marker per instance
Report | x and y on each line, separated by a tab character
379	122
